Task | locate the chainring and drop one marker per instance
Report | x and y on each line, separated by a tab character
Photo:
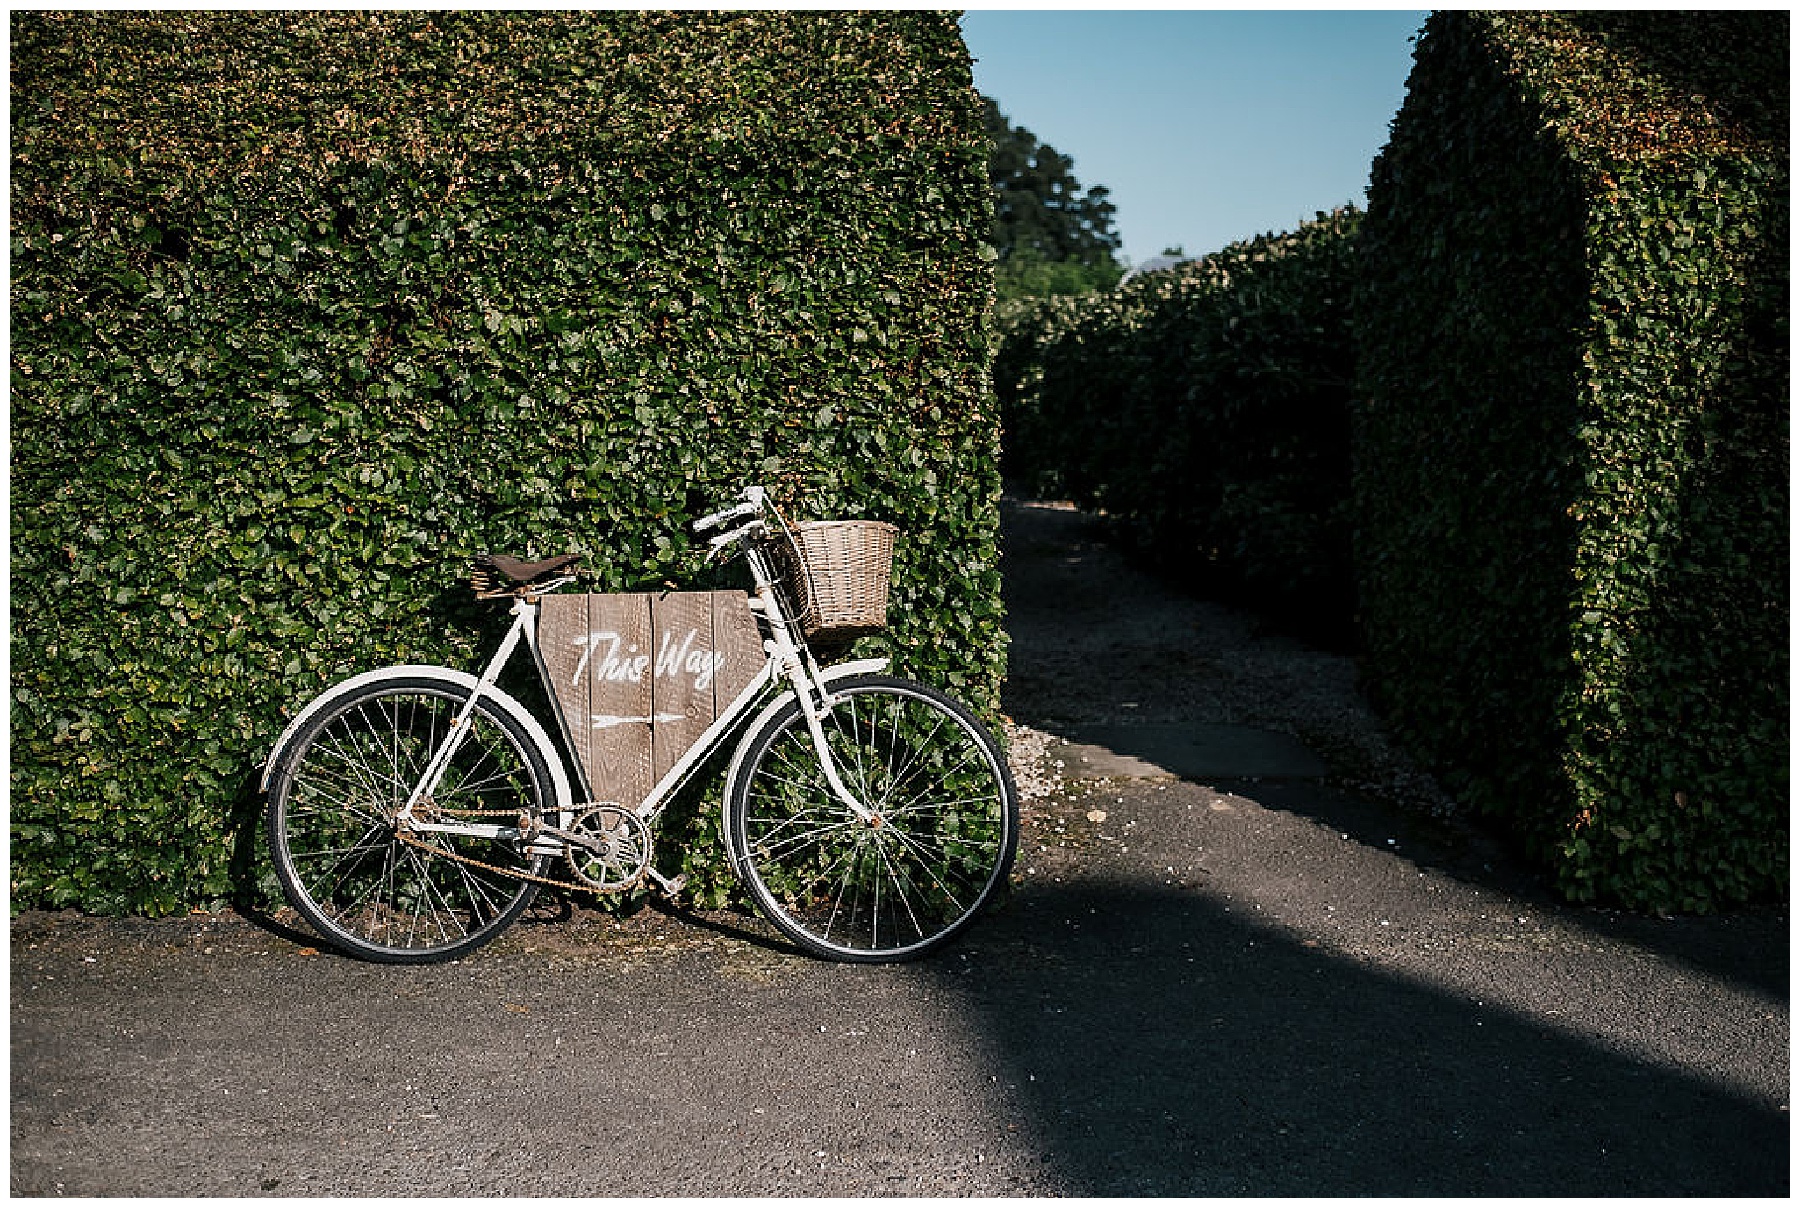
608	849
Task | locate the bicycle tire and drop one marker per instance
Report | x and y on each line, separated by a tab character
903	883
335	789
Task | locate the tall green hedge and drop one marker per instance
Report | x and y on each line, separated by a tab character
1572	444
310	307
1207	409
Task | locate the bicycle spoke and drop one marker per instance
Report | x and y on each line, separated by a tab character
479	890
350	908
938	878
341	793
776	847
837	899
449	912
900	884
340	871
363	777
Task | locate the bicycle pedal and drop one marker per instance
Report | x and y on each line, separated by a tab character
670	885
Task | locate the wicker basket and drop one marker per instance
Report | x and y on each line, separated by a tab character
840	585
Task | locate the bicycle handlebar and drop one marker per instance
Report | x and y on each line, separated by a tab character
752	505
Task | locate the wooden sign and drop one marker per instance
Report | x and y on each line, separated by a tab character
639	677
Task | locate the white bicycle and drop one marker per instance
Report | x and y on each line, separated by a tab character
414	811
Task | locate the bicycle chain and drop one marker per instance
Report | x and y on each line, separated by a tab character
407	838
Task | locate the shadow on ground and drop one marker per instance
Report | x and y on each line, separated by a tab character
1075	603
1160	1045
1160	1040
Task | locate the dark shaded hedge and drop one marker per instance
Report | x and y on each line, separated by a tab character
1572	447
1207	409
308	308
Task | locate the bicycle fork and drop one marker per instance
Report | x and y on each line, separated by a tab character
816	703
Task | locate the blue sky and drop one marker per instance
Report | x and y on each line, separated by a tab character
1208	126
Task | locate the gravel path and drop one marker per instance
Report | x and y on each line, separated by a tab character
1098	641
1274	987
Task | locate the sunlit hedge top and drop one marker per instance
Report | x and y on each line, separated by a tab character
1645	86
216	95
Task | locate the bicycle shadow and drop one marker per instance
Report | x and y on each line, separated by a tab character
255	896
561	913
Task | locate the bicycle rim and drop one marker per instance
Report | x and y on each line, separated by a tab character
904	882
346	867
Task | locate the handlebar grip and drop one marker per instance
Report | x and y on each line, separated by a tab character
718	518
753	499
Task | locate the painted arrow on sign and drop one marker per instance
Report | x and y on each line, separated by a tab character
606	721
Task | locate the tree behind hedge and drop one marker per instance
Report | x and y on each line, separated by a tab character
308	308
1041	212
1572	455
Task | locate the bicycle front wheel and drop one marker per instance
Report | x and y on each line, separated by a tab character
406	894
937	841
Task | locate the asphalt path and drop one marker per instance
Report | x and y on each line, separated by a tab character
1201	985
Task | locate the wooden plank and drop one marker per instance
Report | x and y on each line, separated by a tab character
682	674
562	636
637	679
736	638
618	656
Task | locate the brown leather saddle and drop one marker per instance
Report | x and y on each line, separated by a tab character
496	575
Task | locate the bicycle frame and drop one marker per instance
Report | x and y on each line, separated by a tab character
788	658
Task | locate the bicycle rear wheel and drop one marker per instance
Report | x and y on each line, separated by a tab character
936	848
416	896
